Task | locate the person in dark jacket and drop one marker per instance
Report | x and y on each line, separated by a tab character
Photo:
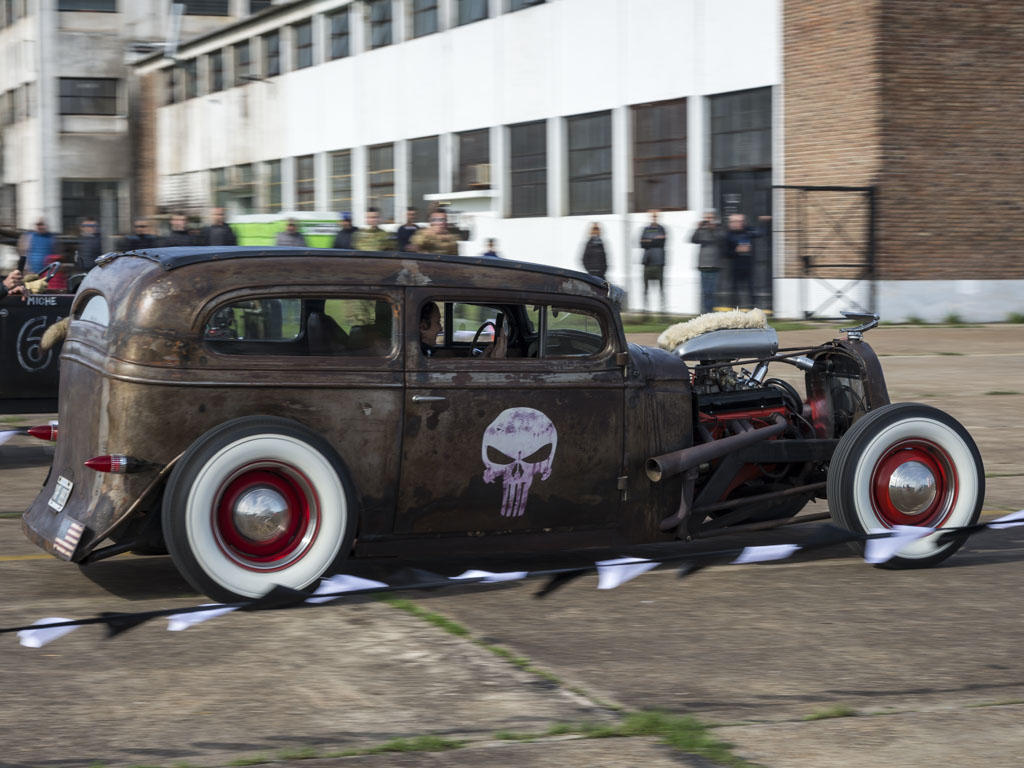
405	232
139	239
218	233
347	232
652	240
739	246
179	234
595	261
90	245
708	235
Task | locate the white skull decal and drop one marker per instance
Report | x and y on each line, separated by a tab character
519	444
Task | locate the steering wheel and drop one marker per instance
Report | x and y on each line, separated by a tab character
476	337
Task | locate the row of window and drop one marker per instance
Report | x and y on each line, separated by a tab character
12	10
17	104
183	82
740	139
191	7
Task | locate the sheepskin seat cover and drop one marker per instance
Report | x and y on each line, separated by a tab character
676	334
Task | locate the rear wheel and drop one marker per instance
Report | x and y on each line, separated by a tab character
907	464
255	502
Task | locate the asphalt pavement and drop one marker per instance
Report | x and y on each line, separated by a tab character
810	662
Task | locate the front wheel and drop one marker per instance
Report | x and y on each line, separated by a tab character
907	464
254	502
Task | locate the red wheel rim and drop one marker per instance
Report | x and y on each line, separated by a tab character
914	456
288	535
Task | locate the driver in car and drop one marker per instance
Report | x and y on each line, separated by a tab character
430	328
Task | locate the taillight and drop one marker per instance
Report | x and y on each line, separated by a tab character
45	432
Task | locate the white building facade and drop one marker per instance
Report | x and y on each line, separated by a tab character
531	119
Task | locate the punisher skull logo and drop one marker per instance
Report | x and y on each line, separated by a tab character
517	446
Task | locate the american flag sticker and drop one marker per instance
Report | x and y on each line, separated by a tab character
68	536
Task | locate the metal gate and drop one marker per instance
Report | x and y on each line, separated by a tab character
828	241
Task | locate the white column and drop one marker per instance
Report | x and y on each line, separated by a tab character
400	30
558	168
698	155
446	158
322	169
49	194
360	185
287	183
401	180
499	172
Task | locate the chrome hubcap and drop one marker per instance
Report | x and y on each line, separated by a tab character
912	488
261	514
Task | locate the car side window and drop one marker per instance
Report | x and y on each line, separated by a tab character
572	333
319	327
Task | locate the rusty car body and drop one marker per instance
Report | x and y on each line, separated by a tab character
265	413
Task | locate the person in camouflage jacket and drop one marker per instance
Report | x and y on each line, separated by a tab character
372	237
436	238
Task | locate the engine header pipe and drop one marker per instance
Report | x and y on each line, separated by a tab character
668	465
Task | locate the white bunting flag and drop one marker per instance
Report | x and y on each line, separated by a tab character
7	435
490	577
41	635
765	554
1008	521
885	549
613	573
182	621
341	583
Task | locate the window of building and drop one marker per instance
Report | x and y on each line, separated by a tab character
319	327
341	181
305	183
98	6
88	96
474	167
339	34
424	17
243	192
382	180
191	70
518	5
6	113
215	61
171	85
219	186
205	7
590	163
243	59
255	6
472	10
89	199
741	130
272	54
528	164
659	156
423	173
273	175
303	44
380	23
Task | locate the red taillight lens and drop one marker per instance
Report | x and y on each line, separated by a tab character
45	432
113	462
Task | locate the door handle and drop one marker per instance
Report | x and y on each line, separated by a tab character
428	399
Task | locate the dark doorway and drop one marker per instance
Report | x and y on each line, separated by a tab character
749	193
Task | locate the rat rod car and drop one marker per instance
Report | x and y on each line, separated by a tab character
264	413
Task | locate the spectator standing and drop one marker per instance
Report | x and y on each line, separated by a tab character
372	237
90	245
492	246
139	239
218	232
436	238
739	239
407	230
595	261
291	236
708	235
653	239
179	234
347	232
34	247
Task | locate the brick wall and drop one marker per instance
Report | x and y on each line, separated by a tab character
923	99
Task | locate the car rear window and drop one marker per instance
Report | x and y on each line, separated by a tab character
320	327
95	311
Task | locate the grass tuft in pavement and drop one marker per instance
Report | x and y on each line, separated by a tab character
427	743
300	753
1002	392
254	760
839	710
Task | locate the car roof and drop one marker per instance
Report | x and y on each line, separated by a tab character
172	258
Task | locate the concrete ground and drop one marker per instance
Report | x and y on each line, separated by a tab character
817	662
